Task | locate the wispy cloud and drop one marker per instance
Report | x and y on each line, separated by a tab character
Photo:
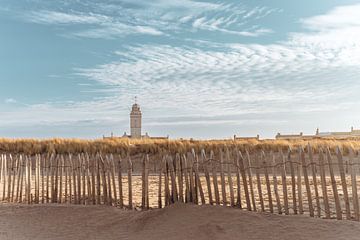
10	100
118	19
261	78
53	17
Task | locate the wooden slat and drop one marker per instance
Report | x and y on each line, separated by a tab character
104	182
160	185
192	186
29	198
284	183
259	184
130	182
267	181
307	184
4	174
174	196
147	168
19	172
222	178
179	177
230	181
276	192
249	171
79	175
240	160
56	189
121	197
355	198
143	182
187	182
22	179
14	174
197	178
214	176
204	163
61	164
293	181
112	165
83	178
299	184
108	176
238	180
333	184
52	187
71	170
10	167
323	183
166	174
314	177
343	183
14	171
66	171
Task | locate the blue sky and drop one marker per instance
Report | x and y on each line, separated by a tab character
203	69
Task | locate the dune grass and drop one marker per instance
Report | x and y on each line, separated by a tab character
135	146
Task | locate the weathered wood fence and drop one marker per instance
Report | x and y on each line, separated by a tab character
296	181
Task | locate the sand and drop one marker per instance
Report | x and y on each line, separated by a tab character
178	221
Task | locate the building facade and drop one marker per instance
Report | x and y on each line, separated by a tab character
337	135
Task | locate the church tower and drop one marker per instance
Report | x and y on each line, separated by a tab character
135	121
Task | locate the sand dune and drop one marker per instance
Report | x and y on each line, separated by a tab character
179	221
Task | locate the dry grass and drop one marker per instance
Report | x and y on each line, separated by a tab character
124	146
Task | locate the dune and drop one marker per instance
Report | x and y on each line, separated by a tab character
179	221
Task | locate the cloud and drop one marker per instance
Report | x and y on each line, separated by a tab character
10	100
341	17
118	19
304	72
339	29
53	17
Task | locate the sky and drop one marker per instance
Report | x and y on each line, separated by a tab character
201	69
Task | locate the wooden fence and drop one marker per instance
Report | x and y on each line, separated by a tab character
301	181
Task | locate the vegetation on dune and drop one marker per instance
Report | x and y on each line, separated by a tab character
135	146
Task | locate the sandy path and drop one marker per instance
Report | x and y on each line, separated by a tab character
176	222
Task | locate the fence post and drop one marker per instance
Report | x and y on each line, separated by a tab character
293	181
238	181
187	183
267	180
160	183
258	180
215	180
274	172
250	180
207	175
299	184
323	183
354	184
307	185
130	182
240	160
284	183
228	162
343	182
197	178
222	178
313	170
334	187
180	177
